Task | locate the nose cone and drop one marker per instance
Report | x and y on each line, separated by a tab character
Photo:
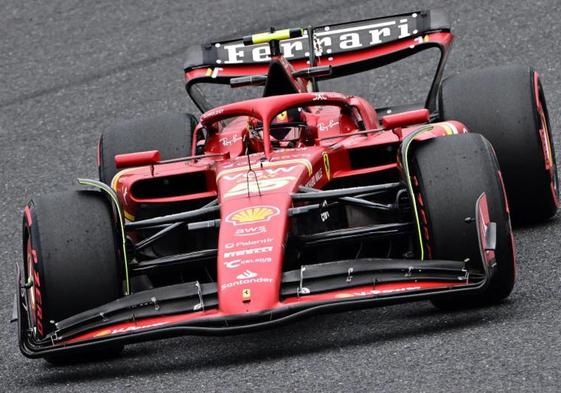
253	231
251	254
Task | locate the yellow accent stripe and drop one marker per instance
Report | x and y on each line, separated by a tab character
449	127
268	164
104	187
410	187
278	35
118	175
128	216
114	184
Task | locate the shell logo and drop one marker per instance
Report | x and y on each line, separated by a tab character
252	215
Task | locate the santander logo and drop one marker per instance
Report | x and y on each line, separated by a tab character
245	275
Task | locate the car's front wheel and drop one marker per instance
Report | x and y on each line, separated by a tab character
450	173
70	258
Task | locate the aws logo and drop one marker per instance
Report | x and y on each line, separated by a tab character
250	231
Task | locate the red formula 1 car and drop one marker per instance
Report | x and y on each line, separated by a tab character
298	202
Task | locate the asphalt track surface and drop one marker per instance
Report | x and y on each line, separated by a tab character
68	69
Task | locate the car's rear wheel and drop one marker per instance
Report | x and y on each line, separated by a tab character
71	259
170	133
450	173
507	105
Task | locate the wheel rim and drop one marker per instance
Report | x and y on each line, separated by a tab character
546	139
554	178
32	302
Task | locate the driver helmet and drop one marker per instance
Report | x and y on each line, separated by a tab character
291	132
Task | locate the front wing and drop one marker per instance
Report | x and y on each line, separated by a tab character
193	308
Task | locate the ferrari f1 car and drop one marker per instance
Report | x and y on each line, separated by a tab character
294	203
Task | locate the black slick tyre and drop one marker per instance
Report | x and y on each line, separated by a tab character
506	104
70	258
450	173
170	133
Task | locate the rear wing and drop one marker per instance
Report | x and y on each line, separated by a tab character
347	47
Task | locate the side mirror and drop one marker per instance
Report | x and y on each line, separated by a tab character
251	80
137	159
405	119
313	72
